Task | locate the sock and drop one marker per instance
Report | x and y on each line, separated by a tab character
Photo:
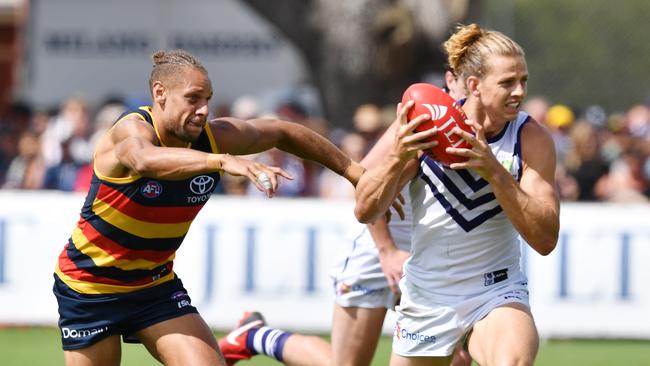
267	341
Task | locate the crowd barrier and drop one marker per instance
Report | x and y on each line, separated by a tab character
276	256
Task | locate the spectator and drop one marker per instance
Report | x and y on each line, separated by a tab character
613	137
245	107
584	162
369	122
627	180
330	185
222	110
566	185
12	124
39	122
26	170
104	119
107	114
305	174
72	122
63	176
536	107
637	120
8	148
559	118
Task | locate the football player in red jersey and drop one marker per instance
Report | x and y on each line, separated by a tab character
153	172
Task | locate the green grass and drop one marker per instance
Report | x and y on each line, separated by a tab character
41	347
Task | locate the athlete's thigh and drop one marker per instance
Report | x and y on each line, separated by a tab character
397	360
505	335
355	333
106	352
185	340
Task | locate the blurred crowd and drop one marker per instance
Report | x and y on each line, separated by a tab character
601	156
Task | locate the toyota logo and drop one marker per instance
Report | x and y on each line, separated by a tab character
202	184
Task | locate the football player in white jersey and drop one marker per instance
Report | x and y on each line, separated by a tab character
365	283
463	279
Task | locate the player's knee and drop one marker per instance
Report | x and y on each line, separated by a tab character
514	359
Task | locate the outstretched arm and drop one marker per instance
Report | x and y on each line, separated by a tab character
241	137
129	149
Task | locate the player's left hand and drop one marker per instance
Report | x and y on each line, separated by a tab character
480	156
392	262
397	205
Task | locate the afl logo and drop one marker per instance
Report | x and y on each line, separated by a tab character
202	184
151	189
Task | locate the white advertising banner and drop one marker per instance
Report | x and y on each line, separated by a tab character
94	48
276	256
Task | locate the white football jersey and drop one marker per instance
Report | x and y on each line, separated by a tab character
400	229
462	240
358	278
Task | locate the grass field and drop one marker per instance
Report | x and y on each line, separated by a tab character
41	347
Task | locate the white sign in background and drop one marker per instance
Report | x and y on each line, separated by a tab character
276	256
93	48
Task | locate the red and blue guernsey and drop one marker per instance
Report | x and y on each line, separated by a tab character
131	227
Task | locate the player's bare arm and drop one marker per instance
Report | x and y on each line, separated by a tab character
391	258
532	204
130	150
378	186
535	211
236	136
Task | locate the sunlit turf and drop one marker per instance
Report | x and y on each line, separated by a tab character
41	346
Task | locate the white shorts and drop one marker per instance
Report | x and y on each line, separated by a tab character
428	327
359	280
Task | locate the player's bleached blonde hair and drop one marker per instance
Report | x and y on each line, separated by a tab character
469	47
166	65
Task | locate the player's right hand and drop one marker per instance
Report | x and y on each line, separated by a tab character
263	176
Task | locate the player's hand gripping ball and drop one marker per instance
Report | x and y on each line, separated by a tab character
445	114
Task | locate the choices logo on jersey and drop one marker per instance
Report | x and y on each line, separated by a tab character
202	184
151	189
404	334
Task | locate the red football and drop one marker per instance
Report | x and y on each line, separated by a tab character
445	114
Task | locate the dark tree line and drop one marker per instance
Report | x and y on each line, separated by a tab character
364	51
